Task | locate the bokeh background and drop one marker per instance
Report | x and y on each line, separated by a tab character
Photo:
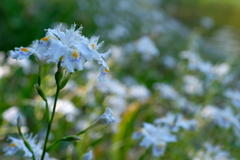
167	56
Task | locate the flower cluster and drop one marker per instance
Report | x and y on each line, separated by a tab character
69	44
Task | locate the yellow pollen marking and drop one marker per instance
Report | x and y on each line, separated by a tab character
160	146
93	46
106	70
24	49
45	38
12	145
74	54
139	130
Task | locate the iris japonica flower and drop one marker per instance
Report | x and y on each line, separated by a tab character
69	44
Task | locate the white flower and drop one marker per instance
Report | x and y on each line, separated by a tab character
87	156
175	121
212	153
193	59
69	44
193	85
65	107
225	118
11	115
156	136
221	70
106	118
139	92
234	96
146	48
18	144
166	91
94	46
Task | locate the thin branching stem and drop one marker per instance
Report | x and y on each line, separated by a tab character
50	123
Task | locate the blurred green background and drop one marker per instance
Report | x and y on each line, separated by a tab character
208	27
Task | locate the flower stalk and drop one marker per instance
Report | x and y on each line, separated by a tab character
24	139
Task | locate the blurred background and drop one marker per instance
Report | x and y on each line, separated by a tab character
167	56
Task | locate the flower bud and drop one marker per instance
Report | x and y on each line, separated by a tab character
40	92
65	80
71	138
106	118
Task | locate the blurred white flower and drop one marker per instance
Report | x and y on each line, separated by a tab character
221	70
212	153
169	61
112	86
4	71
207	22
166	91
11	115
225	118
66	107
139	92
147	48
193	59
192	85
175	121
156	136
234	95
87	156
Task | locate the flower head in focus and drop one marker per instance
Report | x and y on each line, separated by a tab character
69	44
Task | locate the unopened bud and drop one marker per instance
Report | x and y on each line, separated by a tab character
65	80
106	118
40	92
71	138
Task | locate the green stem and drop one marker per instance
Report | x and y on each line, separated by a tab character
50	123
39	74
50	147
26	142
93	125
47	111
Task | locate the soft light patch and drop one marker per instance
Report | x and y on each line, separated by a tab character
24	49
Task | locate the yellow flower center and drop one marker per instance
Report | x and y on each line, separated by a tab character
12	145
106	70
160	146
24	49
45	38
93	46
75	53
